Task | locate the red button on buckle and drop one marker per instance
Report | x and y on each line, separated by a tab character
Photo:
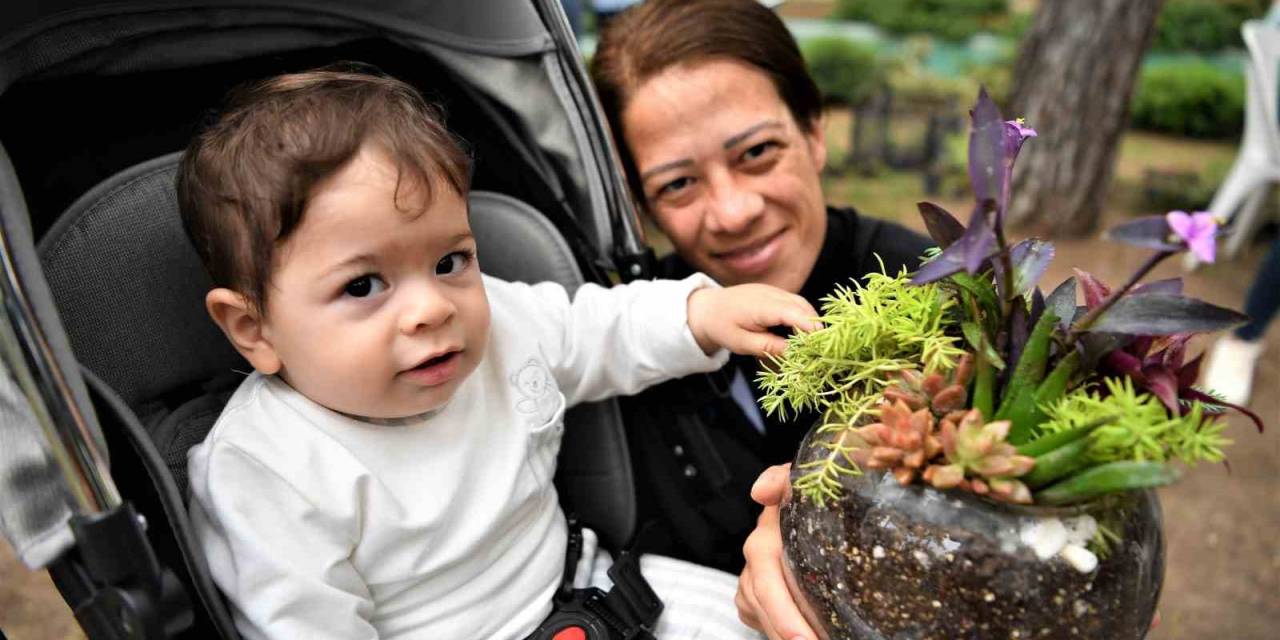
570	633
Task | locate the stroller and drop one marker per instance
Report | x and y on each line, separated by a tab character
109	368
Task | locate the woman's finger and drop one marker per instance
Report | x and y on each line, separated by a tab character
765	584
771	486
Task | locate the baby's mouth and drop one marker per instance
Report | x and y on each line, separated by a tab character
437	360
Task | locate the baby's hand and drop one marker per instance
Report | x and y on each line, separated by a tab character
738	318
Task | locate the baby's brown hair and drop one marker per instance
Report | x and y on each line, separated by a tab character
244	182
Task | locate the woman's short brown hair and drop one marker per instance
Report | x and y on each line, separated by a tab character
244	181
650	37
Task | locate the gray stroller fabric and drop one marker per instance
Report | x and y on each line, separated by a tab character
34	502
119	255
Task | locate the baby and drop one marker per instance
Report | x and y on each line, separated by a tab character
387	469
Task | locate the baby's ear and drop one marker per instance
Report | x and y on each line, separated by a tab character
243	326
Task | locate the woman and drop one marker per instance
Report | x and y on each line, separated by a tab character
719	124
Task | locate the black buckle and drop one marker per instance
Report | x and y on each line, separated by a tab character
627	612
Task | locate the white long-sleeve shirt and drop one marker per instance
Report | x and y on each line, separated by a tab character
440	527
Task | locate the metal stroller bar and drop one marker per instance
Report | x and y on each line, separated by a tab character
27	354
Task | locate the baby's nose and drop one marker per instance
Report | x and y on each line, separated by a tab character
426	308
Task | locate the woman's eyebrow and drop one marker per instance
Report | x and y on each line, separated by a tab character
737	139
666	166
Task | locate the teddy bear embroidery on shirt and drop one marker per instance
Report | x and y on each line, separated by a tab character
539	395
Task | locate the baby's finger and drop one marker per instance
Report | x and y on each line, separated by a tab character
767	344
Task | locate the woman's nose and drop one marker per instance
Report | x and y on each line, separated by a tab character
425	307
733	207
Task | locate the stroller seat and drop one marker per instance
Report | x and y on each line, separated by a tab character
130	291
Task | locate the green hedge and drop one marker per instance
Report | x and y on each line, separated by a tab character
845	71
948	19
1193	99
1204	25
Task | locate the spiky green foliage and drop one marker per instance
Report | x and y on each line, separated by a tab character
821	480
868	332
1138	426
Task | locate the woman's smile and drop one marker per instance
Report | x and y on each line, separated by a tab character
755	257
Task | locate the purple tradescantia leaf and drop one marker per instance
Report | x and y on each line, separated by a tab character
1037	307
1189	372
1095	346
1019	329
1171	286
1151	232
943	227
967	253
1062	303
1029	258
1197	230
987	173
1195	394
1126	363
1094	291
1163	384
1158	314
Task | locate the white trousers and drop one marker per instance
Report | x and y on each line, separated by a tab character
698	600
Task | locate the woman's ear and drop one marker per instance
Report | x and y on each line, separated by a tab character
244	327
816	136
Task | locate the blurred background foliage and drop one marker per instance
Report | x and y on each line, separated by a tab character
906	68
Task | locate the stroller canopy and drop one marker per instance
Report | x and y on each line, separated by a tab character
518	53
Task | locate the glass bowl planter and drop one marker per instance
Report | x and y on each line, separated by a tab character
888	562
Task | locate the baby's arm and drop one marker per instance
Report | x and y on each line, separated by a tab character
619	340
281	561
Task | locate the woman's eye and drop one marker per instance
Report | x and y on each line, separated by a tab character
453	263
674	186
759	151
364	286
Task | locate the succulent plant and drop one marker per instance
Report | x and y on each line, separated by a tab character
934	391
979	459
903	441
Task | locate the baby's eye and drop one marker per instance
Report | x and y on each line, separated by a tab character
364	286
453	263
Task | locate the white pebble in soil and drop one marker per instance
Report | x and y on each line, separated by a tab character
1045	536
1081	529
1079	557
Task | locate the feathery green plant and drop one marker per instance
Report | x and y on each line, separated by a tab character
868	332
841	369
1138	426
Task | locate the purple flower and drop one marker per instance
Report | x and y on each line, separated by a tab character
1197	230
1015	133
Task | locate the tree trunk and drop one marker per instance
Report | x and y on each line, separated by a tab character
1074	75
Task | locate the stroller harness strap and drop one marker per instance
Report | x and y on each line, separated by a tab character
627	612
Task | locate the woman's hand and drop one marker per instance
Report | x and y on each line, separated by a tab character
738	318
765	601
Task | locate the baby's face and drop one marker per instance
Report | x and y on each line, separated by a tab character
375	310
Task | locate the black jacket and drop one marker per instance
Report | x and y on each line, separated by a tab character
695	453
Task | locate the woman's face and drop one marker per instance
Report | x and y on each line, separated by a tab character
728	174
